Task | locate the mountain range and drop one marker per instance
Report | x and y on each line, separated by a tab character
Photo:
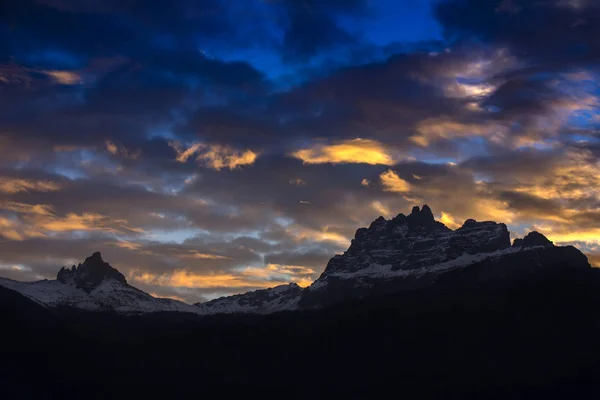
407	252
411	309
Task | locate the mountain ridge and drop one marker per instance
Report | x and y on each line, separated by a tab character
407	252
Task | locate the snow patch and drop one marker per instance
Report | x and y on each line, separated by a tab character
385	271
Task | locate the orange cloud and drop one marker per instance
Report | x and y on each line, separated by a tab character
299	233
449	221
248	277
219	157
23	208
15	185
393	183
13	230
125	244
186	279
36	220
594	260
214	156
576	177
184	154
203	256
64	77
359	151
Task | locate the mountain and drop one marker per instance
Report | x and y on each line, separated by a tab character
408	252
415	251
94	286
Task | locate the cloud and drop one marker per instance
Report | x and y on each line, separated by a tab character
393	183
445	128
203	256
64	77
215	156
186	279
594	260
16	185
350	151
13	73
39	220
312	27
184	154
381	209
219	157
449	221
117	149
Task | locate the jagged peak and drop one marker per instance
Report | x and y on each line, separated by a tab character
421	217
533	238
425	210
378	220
95	258
91	273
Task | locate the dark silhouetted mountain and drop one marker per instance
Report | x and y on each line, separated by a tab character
414	251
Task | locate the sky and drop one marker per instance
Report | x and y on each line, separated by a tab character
211	147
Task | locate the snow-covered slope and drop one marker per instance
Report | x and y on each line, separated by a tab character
105	289
96	286
110	295
264	301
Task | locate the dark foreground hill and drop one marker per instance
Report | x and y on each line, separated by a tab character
533	336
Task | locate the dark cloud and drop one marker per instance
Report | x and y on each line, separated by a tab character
544	30
313	27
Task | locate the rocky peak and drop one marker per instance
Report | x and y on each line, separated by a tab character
404	245
532	239
90	274
421	217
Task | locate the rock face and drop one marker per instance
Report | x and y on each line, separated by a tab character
264	301
410	252
90	274
417	241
